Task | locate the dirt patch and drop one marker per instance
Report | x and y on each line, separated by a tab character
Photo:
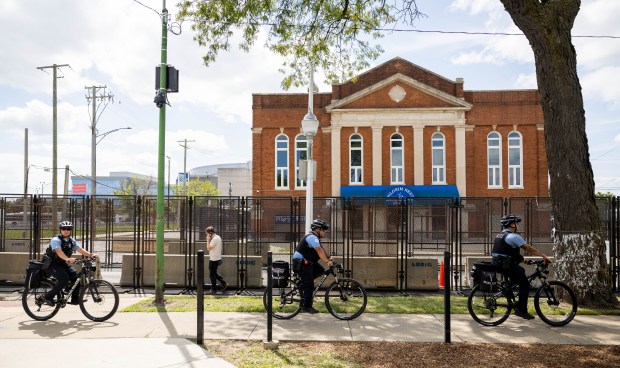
408	354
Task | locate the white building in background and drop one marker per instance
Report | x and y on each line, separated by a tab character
230	179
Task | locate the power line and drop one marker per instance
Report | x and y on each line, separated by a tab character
469	33
481	33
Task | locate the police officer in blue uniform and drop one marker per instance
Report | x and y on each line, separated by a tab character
506	258
60	249
306	261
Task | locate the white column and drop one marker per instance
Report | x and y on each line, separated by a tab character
418	155
336	161
376	155
461	162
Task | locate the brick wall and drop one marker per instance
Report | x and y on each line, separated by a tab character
503	111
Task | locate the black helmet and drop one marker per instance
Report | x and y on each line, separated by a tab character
509	219
66	225
319	223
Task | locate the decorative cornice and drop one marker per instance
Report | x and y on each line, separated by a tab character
399	77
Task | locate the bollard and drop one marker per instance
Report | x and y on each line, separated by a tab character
446	298
269	295
200	297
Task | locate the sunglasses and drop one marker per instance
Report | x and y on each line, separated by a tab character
66	228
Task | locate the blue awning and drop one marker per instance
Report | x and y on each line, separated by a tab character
400	191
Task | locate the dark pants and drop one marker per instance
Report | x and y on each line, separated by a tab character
307	272
63	273
516	275
215	277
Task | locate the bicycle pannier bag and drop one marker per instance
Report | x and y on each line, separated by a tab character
34	274
483	274
280	273
488	281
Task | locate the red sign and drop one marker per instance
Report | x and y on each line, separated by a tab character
79	188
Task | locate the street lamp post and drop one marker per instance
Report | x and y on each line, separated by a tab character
93	155
310	126
93	166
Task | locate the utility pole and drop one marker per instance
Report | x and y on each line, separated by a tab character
96	100
54	67
26	169
185	146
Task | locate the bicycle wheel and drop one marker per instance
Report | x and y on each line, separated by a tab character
555	303
34	306
487	308
346	299
98	300
285	302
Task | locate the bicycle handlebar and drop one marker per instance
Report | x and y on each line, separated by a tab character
336	267
537	262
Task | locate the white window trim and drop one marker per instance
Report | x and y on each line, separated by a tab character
495	167
282	169
356	168
402	160
441	167
520	165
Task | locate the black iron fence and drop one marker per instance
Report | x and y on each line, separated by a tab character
122	229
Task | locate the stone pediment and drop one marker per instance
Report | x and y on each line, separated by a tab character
399	91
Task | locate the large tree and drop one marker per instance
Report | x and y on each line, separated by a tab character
337	36
579	245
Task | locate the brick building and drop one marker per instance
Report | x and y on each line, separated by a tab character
400	129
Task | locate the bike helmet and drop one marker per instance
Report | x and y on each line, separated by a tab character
509	219
319	223
66	225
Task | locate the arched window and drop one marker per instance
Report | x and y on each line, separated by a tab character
494	159
301	153
355	159
396	159
515	160
281	162
439	158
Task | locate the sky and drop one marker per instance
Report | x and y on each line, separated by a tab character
116	43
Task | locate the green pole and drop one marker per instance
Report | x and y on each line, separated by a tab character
159	277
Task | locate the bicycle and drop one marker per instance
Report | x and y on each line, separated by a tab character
554	301
345	298
98	299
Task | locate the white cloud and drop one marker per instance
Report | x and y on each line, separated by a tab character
604	84
526	81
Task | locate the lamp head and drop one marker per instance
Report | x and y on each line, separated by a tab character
309	125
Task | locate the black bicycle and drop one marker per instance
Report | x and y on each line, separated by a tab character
98	299
554	301
345	298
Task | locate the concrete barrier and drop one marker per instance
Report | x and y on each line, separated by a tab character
175	269
16	245
13	267
382	273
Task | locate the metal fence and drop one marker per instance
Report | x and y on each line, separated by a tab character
399	229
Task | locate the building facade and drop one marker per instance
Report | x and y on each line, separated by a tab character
401	128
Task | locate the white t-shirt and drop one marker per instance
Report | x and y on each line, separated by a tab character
215	254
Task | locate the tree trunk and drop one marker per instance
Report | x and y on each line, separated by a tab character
579	247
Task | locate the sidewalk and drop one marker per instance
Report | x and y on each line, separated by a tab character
159	339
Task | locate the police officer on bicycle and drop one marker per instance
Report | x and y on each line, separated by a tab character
60	249
306	261
506	258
